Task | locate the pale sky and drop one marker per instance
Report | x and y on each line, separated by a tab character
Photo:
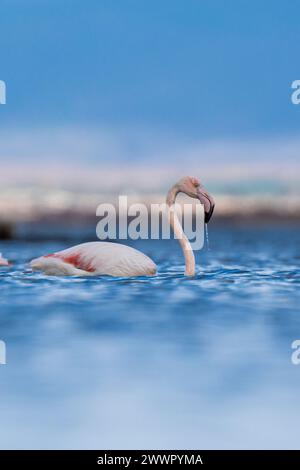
134	81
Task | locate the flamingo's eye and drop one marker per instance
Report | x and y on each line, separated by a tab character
196	182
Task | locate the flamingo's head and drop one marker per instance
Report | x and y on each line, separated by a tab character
193	188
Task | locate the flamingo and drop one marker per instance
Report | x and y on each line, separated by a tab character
3	261
114	259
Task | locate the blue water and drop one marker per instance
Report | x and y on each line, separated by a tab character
162	362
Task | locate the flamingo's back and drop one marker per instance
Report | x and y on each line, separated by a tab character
96	258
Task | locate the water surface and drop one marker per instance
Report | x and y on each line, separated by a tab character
162	362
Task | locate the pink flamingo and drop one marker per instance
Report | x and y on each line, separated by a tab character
3	261
114	259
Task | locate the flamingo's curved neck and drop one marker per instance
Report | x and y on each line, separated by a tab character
179	233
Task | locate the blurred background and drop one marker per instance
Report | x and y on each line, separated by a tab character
123	97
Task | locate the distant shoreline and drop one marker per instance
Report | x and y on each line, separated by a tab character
74	226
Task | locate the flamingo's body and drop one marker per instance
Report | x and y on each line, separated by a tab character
113	259
3	261
96	258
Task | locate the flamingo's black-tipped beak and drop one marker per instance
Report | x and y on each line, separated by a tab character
207	202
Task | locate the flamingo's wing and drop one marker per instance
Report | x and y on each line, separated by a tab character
96	258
